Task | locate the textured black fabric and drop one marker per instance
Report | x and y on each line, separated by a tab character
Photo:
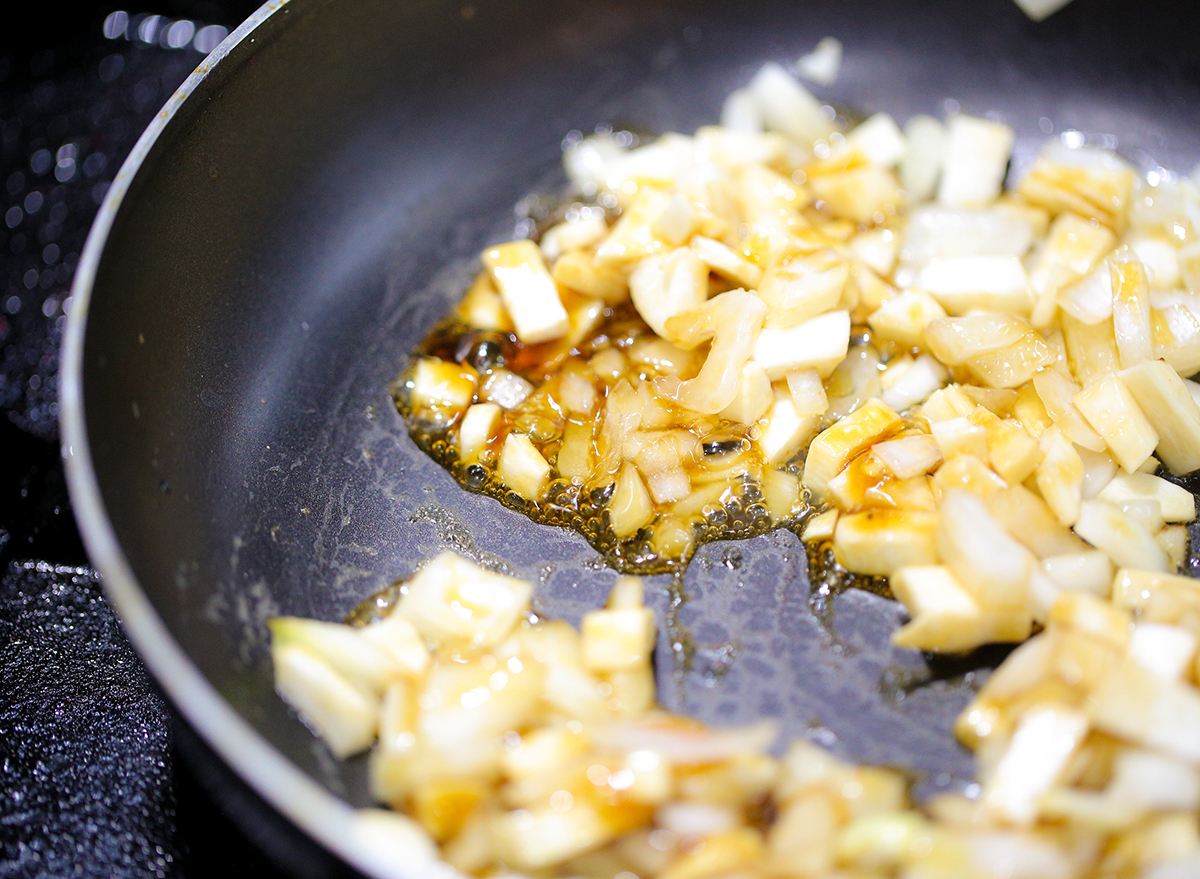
90	781
86	781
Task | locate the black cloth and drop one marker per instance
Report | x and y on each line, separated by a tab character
91	783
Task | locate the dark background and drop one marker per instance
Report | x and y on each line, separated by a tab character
93	778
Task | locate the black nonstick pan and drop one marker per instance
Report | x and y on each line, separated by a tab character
314	199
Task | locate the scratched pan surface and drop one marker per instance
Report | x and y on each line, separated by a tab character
298	219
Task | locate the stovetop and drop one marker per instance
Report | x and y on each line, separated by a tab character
91	779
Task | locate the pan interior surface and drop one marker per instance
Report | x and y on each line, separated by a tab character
318	202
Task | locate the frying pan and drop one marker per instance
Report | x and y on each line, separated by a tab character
315	197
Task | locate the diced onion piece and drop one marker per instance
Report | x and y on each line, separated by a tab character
754	395
587	162
340	713
976	157
922	163
1073	247
978	283
506	389
399	639
787	106
808	393
910	455
783	429
1089	571
1029	519
879	542
1131	312
617	639
740	112
823	63
1058	394
584	231
1136	704
1011	451
528	291
452	599
879	139
1176	333
1090	299
1189	265
575	455
1092	350
877	249
1167	651
662	287
821	526
725	261
631	507
902	319
388	841
1045	740
1154	782
1126	541
1113	413
632	237
1176	502
360	661
946	616
937	232
677	222
522	467
482	307
1011	367
441	386
580	271
671	484
655	165
955	340
732	320
1040	9
820	343
480	425
1158	256
1167	404
836	445
781	493
860	193
915	384
956	436
1092	183
1098	470
984	557
798	290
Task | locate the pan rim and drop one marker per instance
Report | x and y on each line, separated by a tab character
293	793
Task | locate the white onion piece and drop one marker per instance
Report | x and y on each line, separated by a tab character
787	106
936	231
920	380
920	167
808	392
695	819
1090	299
685	745
740	112
909	456
823	63
733	321
1039	9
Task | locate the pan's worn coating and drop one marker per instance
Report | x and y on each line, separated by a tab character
304	212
